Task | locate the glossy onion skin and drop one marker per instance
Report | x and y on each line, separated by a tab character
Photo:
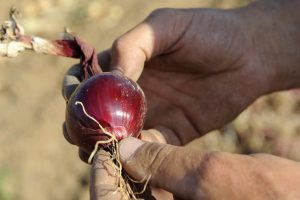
115	101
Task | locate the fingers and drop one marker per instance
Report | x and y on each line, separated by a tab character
84	156
160	134
66	135
130	51
175	169
103	179
104	59
73	76
71	81
152	135
103	182
159	34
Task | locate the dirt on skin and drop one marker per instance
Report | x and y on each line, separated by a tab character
35	160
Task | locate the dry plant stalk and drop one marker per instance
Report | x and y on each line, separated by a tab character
13	41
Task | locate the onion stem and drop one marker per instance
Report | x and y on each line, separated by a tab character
13	41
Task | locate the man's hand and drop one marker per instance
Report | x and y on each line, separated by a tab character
195	174
198	68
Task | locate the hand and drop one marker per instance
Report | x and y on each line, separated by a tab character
200	70
196	174
202	66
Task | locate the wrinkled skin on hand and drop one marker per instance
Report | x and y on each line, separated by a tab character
200	69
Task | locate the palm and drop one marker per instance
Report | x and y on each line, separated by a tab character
192	92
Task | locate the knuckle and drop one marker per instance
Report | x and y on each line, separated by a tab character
208	167
159	12
209	161
159	158
195	164
120	44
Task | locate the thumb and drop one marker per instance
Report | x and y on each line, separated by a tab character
175	169
103	181
162	29
130	51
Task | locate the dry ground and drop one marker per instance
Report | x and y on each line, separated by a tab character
35	160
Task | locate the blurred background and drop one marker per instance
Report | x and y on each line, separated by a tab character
35	160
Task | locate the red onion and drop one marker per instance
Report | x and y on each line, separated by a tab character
114	101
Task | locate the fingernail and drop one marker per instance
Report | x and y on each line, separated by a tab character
128	146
